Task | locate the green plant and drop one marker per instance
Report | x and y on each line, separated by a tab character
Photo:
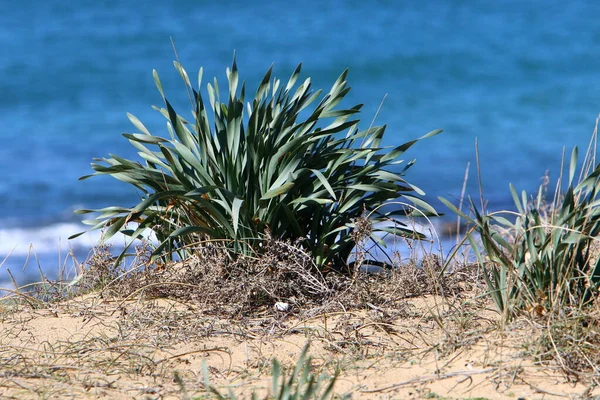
274	164
300	384
547	256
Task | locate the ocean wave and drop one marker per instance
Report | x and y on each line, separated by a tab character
53	238
49	239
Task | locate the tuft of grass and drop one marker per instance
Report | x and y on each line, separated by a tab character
544	256
299	384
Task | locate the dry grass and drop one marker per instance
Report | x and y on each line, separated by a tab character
417	331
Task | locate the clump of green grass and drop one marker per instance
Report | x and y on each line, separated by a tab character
281	164
301	383
544	256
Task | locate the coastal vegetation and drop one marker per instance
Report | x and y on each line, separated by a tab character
280	165
256	230
545	255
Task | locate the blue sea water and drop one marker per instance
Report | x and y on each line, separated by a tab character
523	77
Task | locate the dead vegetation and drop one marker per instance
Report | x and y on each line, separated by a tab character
417	330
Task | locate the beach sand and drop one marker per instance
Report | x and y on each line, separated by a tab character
423	347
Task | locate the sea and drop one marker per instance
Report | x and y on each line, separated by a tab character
512	83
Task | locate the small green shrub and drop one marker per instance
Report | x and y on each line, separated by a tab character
546	256
301	383
279	163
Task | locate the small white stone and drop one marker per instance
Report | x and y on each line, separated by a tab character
281	306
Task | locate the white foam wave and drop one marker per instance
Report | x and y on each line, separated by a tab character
53	238
49	239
